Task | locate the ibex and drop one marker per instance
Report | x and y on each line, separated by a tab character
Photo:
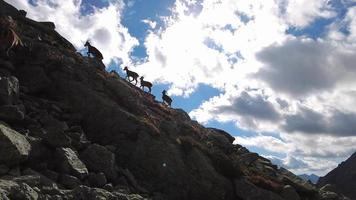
8	37
131	74
166	98
145	84
94	51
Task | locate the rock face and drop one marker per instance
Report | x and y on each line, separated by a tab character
14	147
75	131
342	178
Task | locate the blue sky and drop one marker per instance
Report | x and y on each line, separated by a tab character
277	75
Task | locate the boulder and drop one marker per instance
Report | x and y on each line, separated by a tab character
12	190
69	163
83	192
14	147
98	159
97	180
11	113
289	193
9	90
69	181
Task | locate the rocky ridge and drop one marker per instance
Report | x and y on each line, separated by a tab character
71	130
342	179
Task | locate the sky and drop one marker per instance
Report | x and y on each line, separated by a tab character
278	75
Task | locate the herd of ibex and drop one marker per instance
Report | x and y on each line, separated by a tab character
9	39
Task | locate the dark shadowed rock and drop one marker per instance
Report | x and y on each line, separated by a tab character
97	179
246	190
33	78
11	113
9	90
98	159
289	193
343	178
69	163
69	181
14	147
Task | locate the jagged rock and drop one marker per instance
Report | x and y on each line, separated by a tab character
98	159
11	113
328	187
246	190
13	190
69	181
300	185
83	192
31	180
289	193
9	90
97	180
14	147
68	162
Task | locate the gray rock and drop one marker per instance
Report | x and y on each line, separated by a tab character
69	181
9	90
11	113
14	147
13	190
69	163
98	159
289	193
31	180
83	192
33	78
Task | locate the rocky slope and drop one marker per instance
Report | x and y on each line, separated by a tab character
70	130
342	178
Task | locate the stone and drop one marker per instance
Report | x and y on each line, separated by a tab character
98	159
12	190
15	172
31	180
34	79
11	113
55	137
97	180
248	158
9	90
69	181
246	190
83	192
14	147
109	187
69	163
3	169
289	193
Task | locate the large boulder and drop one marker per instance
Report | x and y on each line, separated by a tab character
69	163
14	147
99	159
9	90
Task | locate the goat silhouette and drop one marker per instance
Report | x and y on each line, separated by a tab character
131	74
94	51
145	84
166	98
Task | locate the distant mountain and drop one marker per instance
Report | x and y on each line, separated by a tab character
312	177
343	177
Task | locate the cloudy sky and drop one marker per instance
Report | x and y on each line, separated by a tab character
279	75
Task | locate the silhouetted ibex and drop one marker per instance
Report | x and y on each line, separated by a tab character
166	98
145	84
8	37
92	50
132	74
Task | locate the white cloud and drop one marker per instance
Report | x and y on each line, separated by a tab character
103	27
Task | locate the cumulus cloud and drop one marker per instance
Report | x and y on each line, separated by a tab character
102	27
301	67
